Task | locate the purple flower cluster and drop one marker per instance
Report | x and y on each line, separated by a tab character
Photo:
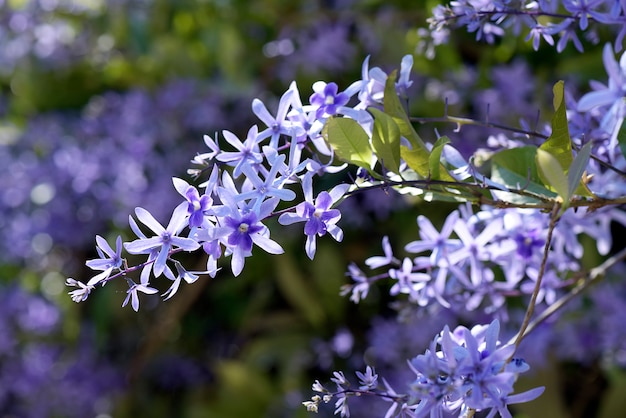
491	20
479	259
226	216
463	370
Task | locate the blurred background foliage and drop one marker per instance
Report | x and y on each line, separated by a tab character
101	103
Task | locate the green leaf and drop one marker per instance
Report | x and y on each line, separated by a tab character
434	161
417	159
577	169
349	141
517	168
559	142
386	140
394	108
553	172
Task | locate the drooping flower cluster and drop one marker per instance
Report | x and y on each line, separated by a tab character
226	216
463	370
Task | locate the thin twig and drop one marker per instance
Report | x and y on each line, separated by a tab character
554	217
467	121
594	276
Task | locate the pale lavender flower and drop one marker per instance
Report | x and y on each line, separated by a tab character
279	125
475	250
537	33
381	261
82	293
248	151
341	406
207	156
132	295
359	290
404	78
611	95
408	281
368	380
109	260
165	240
567	32
439	243
270	186
183	274
370	88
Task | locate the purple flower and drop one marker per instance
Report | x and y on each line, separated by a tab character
583	9
131	293
109	260
183	274
409	281
244	230
82	293
318	215
326	99
381	261
612	95
166	238
279	125
439	243
197	205
248	151
271	186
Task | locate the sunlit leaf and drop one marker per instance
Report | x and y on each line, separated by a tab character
434	160
417	159
516	168
577	169
394	108
553	172
559	142
349	141
386	140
